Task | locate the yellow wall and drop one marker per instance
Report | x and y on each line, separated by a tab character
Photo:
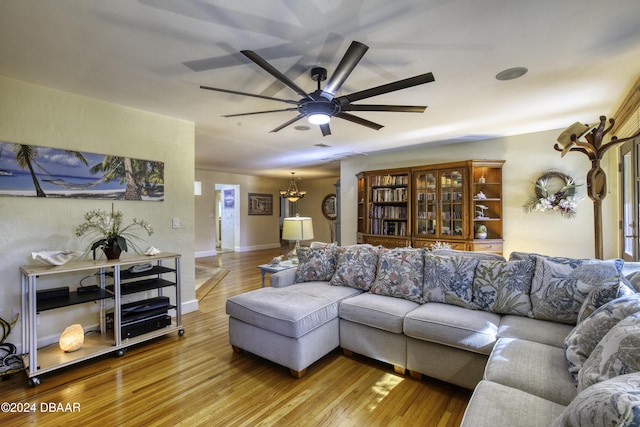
527	158
41	116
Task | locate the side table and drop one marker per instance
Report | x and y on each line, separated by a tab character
266	268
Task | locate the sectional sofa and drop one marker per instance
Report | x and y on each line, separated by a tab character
535	337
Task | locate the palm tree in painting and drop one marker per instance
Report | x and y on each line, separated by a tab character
119	168
26	157
140	176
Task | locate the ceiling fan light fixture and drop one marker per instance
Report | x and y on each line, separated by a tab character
319	118
321	105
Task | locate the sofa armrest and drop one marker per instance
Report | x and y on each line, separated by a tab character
283	278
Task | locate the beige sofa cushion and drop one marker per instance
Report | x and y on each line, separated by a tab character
453	326
377	311
542	331
292	311
494	404
535	368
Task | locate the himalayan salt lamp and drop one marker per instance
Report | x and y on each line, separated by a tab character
72	338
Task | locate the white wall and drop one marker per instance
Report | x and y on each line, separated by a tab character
527	158
41	116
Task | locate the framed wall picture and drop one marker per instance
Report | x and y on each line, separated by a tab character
37	171
329	207
260	204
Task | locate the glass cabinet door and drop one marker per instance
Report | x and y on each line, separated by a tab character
426	204
451	202
439	204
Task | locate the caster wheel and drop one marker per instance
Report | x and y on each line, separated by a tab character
180	332
121	353
33	381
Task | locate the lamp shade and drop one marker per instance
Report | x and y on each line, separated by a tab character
297	228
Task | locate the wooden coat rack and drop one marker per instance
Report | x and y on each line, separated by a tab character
593	147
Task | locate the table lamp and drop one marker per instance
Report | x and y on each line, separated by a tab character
297	228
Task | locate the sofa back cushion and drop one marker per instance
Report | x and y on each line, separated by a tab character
618	353
479	255
449	279
603	295
503	286
357	266
399	274
560	285
316	264
581	341
614	402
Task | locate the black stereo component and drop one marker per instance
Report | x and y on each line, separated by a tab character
144	306
140	317
142	326
46	294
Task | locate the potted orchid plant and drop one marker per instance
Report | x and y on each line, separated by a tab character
112	235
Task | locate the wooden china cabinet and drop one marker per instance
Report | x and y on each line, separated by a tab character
384	208
420	206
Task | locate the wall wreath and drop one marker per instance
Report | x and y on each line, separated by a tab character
555	191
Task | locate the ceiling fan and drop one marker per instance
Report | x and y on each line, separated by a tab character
322	104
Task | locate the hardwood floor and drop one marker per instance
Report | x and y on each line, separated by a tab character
197	379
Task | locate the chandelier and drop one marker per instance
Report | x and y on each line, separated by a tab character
292	194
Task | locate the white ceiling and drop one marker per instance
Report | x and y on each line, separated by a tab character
582	56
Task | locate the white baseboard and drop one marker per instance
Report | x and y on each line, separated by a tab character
203	254
189	306
256	248
214	252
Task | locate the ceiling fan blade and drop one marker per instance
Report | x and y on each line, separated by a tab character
235	92
348	62
259	112
389	87
386	108
359	120
285	124
326	130
273	71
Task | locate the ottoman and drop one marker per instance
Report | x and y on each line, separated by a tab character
292	326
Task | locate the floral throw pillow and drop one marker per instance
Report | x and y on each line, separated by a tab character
316	264
449	279
399	274
581	341
616	354
560	285
503	286
356	267
602	295
614	402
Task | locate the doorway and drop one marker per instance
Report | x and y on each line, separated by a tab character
227	213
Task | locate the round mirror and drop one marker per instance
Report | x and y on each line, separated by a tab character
329	206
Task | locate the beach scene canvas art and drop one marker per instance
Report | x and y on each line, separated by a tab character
36	171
